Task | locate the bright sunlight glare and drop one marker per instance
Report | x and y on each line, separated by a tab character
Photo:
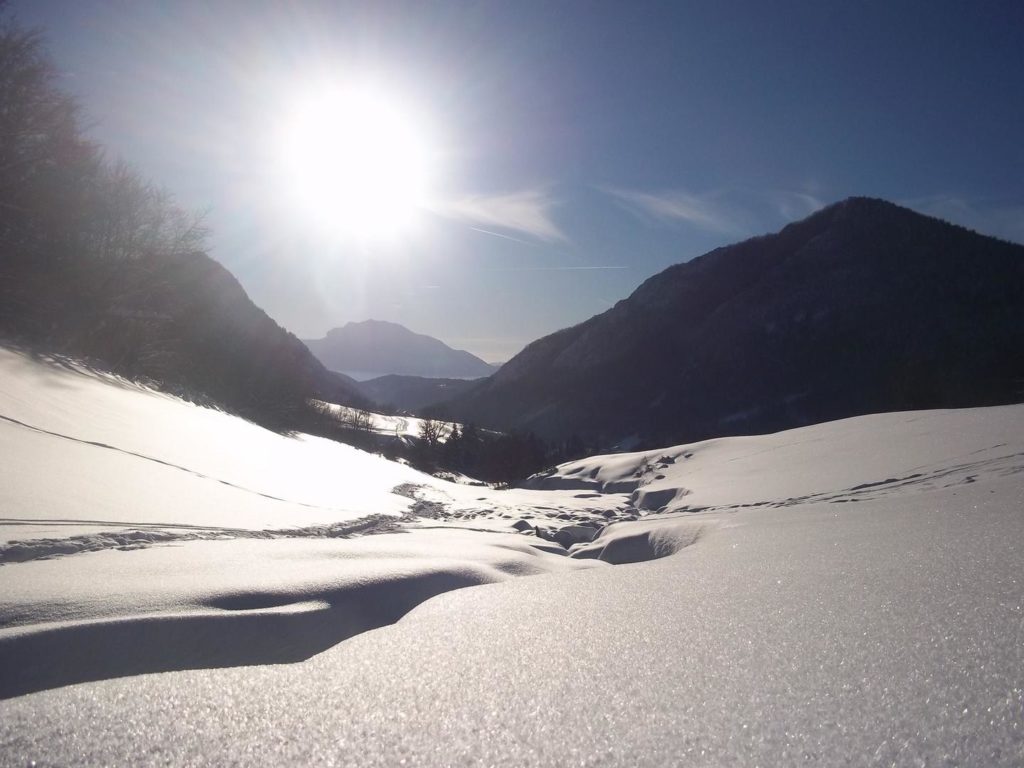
356	162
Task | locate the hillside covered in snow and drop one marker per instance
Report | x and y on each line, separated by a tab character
845	593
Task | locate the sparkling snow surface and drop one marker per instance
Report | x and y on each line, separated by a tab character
846	594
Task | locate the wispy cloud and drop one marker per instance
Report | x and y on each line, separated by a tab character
527	212
1002	220
706	212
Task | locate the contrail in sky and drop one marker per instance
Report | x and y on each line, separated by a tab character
534	269
549	269
507	237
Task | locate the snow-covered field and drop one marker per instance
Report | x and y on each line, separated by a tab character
387	425
845	594
853	460
94	461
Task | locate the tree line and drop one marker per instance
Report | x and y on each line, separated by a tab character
504	458
98	263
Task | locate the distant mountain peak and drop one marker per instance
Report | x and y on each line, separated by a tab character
374	324
866	210
864	203
370	348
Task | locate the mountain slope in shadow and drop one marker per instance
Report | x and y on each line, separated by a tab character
863	307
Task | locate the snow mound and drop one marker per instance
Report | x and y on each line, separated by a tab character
232	603
636	542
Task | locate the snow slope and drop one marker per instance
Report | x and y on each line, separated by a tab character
88	456
845	594
842	461
876	634
85	452
131	520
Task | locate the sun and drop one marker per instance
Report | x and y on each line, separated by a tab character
356	161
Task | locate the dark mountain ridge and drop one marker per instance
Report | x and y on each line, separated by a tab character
182	321
374	348
862	307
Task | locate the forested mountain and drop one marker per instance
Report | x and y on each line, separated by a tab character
863	307
96	262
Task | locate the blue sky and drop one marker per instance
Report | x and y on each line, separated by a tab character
583	146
